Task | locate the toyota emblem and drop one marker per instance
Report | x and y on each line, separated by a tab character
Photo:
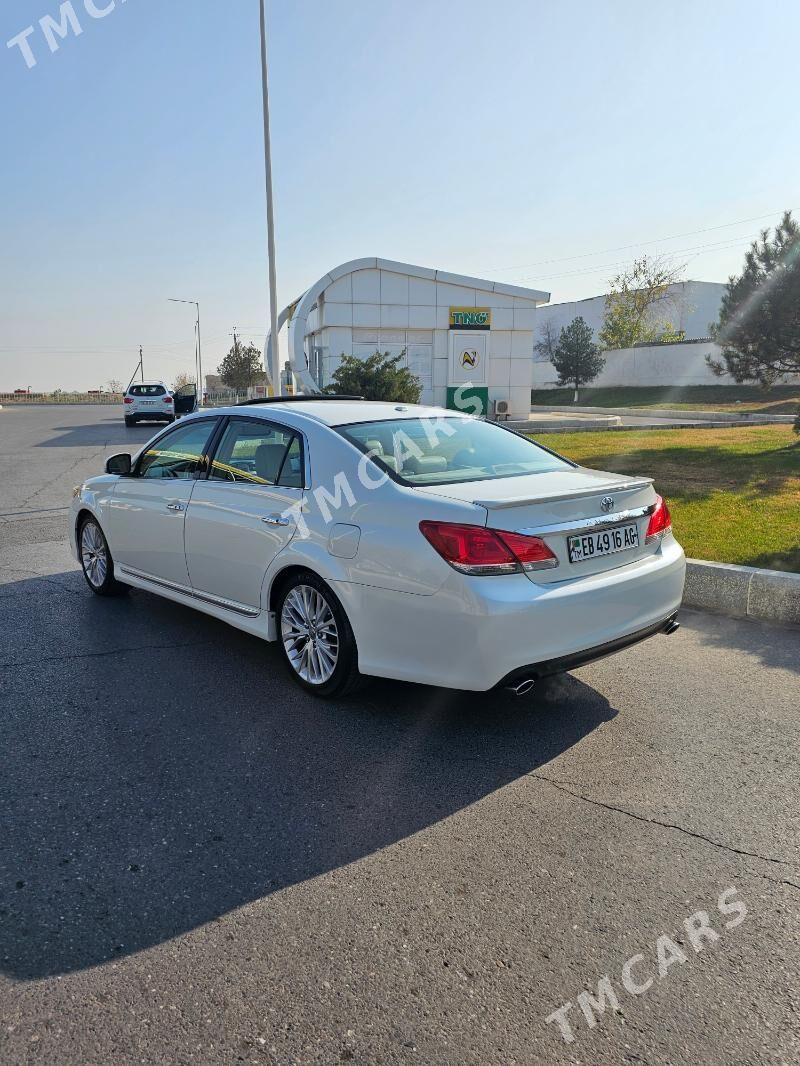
606	504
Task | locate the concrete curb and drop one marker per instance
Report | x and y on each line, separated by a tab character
749	418
557	425
743	591
588	425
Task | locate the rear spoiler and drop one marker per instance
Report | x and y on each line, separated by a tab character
611	486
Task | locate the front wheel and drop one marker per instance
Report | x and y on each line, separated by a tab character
96	561
315	637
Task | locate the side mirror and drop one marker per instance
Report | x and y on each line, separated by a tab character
119	464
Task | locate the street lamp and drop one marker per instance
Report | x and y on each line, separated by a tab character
275	369
199	366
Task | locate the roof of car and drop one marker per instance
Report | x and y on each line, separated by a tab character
148	381
335	412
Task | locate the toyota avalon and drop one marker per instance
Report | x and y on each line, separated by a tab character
385	539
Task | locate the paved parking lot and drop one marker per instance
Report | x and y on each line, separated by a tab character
199	863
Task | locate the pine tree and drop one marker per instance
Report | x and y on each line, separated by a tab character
576	357
759	319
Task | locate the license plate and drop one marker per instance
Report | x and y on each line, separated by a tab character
148	403
603	542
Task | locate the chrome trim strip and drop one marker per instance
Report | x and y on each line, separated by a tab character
155	580
602	522
229	605
217	601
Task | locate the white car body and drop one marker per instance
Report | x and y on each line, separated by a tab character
137	406
414	617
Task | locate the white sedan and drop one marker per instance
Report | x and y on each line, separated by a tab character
385	539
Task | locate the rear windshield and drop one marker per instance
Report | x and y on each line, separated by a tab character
147	390
436	451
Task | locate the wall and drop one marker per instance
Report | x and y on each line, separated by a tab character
389	310
659	364
692	306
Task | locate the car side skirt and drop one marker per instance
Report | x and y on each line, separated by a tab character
257	623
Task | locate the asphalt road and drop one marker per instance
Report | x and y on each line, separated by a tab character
201	864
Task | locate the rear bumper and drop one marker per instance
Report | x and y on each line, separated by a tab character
475	633
572	661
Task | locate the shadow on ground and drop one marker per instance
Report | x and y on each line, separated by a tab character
695	473
751	636
788	561
109	431
162	770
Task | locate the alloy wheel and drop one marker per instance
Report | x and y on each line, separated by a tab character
94	556
309	634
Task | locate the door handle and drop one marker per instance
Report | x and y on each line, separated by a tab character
276	520
176	506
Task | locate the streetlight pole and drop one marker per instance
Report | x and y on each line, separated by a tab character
199	358
275	369
200	386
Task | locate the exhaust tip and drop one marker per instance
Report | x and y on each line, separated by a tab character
522	687
671	627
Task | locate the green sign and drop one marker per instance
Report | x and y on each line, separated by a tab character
469	399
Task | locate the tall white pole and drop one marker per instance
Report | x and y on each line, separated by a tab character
200	386
275	369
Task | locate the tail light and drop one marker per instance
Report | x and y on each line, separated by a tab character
478	551
167	399
128	399
660	521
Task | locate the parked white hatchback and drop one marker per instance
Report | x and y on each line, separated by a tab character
385	539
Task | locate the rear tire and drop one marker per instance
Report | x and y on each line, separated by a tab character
315	637
129	421
96	560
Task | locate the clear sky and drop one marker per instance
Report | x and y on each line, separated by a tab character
524	141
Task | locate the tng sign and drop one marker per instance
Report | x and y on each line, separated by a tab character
470	318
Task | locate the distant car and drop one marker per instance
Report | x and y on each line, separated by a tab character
148	400
395	540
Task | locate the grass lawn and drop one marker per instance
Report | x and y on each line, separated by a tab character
734	494
782	399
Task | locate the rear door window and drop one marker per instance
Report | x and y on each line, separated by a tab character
257	452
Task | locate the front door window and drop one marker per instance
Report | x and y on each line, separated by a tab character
178	454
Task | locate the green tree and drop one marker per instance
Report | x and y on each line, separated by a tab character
576	357
241	367
632	306
759	318
380	377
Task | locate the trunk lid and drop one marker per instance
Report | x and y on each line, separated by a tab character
562	503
